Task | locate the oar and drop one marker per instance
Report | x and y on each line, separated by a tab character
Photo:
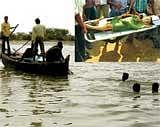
14	29
21	47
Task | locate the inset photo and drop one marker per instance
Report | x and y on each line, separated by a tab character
116	31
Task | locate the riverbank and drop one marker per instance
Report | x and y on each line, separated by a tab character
138	51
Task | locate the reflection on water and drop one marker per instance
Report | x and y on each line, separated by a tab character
94	96
29	100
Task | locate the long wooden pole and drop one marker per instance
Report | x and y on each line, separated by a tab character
21	47
14	29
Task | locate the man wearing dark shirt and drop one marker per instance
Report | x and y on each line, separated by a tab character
55	53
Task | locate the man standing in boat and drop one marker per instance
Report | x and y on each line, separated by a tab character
38	33
5	31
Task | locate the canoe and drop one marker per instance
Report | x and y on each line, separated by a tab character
38	67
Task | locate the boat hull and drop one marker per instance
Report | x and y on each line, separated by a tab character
51	68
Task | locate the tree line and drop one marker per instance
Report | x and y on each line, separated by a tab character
51	34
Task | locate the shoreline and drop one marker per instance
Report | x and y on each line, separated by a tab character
138	51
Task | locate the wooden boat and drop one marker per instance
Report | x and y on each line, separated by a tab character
39	67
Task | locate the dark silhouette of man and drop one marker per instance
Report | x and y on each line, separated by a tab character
55	53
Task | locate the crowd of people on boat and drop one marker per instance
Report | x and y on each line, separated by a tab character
38	35
86	10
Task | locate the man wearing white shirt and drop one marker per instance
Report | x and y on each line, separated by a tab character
102	8
80	29
38	33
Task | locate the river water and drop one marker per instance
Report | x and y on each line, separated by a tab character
94	96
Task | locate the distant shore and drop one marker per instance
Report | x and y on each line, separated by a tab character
51	34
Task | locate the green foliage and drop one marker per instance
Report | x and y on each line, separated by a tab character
51	34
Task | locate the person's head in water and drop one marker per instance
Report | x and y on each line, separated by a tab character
155	87
37	21
6	19
125	76
136	87
60	44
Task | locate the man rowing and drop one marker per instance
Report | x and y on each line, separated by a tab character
5	33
